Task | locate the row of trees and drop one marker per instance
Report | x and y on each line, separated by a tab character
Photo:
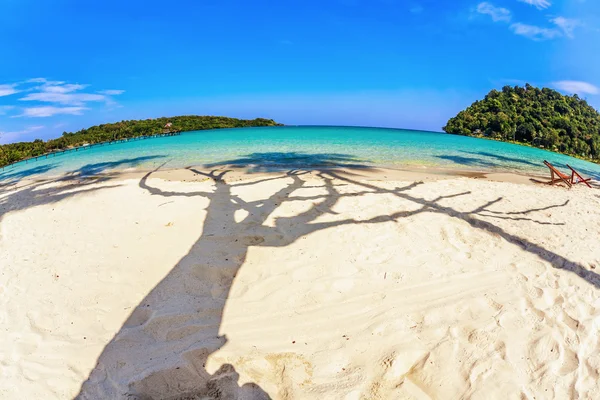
14	152
539	117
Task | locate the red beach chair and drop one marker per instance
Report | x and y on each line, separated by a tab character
576	178
560	177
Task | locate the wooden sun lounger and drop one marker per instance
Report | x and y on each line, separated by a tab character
579	177
560	177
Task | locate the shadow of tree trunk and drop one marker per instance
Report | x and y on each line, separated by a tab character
169	345
162	349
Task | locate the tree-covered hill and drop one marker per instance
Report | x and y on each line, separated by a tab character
540	117
11	153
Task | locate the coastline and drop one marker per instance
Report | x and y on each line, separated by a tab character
237	173
526	144
275	148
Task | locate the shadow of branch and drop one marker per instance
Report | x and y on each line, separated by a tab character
195	291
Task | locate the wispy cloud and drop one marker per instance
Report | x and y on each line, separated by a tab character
8	89
73	99
578	87
43	98
26	130
67	94
563	27
8	137
63	97
49	111
111	92
566	25
55	87
498	14
534	32
5	109
539	4
36	80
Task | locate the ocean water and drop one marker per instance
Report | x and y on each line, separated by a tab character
284	148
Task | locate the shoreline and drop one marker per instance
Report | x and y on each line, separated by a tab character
236	173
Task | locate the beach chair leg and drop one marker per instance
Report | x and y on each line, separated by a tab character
552	180
558	180
576	178
579	177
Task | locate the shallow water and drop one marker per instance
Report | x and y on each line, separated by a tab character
279	148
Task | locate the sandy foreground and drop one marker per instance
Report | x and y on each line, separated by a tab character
295	285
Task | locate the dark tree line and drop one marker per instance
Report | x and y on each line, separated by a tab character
14	152
529	115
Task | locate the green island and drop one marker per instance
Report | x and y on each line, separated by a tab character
15	152
536	117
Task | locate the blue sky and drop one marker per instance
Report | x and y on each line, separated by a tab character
70	64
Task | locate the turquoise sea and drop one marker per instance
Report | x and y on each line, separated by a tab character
283	148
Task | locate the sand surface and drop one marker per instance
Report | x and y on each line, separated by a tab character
322	285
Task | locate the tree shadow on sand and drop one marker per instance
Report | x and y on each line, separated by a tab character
101	167
16	195
162	349
10	177
47	192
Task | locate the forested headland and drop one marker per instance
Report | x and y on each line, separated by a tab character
14	152
539	117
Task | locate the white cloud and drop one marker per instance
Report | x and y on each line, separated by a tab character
111	92
26	130
62	88
36	80
8	137
73	99
45	83
561	26
67	94
534	32
49	111
5	109
566	25
539	4
576	87
60	97
7	90
498	14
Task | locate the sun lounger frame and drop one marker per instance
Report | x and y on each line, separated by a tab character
560	177
580	178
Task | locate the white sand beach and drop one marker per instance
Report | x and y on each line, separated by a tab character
296	285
